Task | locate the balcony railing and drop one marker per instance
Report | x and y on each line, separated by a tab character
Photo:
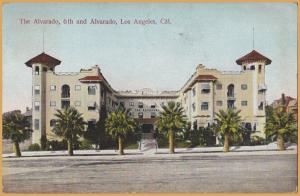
262	87
231	96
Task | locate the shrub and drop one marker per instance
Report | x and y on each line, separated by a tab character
256	140
57	145
85	145
34	147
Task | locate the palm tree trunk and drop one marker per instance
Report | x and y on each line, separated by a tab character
121	150
171	142
70	147
17	149
226	143
280	142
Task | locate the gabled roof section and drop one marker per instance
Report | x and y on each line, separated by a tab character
253	56
43	58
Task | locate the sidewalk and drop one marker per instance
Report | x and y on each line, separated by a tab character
243	150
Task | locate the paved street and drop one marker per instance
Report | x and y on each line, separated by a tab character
182	172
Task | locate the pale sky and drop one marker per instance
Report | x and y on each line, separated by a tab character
161	57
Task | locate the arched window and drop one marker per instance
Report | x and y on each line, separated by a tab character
37	70
259	68
65	91
252	67
245	67
230	90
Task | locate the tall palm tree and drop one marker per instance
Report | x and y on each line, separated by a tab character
69	125
16	128
170	120
118	124
228	124
280	124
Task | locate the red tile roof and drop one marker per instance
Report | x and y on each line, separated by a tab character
205	77
91	78
253	56
44	59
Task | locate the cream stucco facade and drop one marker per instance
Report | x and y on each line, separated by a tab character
202	96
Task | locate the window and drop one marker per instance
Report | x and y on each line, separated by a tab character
140	114
52	103
204	106
205	88
252	67
152	106
65	91
122	104
153	114
230	104
92	106
91	123
219	103
36	123
77	87
52	122
36	105
244	67
37	89
244	86
92	90
45	69
219	86
244	103
230	90
261	106
259	68
37	70
193	107
194	91
65	104
52	87
131	103
140	104
77	103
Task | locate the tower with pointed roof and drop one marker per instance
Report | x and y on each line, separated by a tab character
40	64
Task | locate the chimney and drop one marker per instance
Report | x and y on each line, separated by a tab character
199	68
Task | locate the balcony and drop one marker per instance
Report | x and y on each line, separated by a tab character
231	96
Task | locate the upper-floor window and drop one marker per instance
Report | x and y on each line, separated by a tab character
140	105
92	90
140	114
37	70
52	87
259	68
36	105
245	67
194	91
193	107
65	104
230	90
131	103
244	103
92	106
205	88
153	114
261	106
37	89
252	67
204	106
52	103
244	86
36	124
219	86
219	103
65	91
77	87
152	106
45	69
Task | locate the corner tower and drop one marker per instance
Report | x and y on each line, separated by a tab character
255	63
40	65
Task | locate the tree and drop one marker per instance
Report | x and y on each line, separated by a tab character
171	119
118	124
16	128
70	126
228	124
280	125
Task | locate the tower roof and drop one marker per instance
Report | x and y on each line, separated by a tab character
44	59
253	56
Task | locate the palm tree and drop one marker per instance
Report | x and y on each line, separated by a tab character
280	124
118	124
69	125
170	120
228	123
16	128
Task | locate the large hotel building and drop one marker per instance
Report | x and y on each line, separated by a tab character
202	96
